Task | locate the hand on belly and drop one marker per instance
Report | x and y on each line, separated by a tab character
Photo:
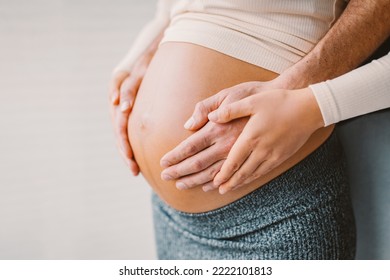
280	122
197	160
179	76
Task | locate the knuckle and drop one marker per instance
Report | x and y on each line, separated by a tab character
251	178
225	148
273	159
196	181
241	175
225	113
272	164
257	175
200	108
252	139
224	94
220	129
190	148
231	167
213	129
230	142
212	172
270	154
229	99
197	164
173	172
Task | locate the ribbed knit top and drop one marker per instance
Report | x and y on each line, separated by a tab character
270	34
361	91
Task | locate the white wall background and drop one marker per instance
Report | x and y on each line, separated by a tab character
64	191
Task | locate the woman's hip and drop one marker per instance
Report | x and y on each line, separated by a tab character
305	213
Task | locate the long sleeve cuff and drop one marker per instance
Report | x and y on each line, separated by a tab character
361	91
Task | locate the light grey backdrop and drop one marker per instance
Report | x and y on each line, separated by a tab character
64	191
366	142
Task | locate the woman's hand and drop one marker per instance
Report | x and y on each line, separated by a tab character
196	160
122	93
229	95
280	122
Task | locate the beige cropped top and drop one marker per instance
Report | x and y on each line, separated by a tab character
270	34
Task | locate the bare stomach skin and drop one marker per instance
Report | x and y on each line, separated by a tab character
179	76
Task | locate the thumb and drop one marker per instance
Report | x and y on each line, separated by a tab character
200	115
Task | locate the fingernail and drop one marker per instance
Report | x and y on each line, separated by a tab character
217	182
213	116
125	105
208	188
181	186
166	177
223	191
189	123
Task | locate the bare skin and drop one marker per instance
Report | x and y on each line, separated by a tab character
358	32
312	69
156	123
343	48
256	151
273	110
123	90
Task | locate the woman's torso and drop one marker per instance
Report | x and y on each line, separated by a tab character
272	34
211	45
178	77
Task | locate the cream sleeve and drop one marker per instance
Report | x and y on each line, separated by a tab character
361	91
147	35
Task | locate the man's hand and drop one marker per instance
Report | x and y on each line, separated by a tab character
196	160
357	33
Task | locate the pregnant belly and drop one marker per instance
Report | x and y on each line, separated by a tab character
179	76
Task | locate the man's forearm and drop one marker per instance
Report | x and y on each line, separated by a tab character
358	32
